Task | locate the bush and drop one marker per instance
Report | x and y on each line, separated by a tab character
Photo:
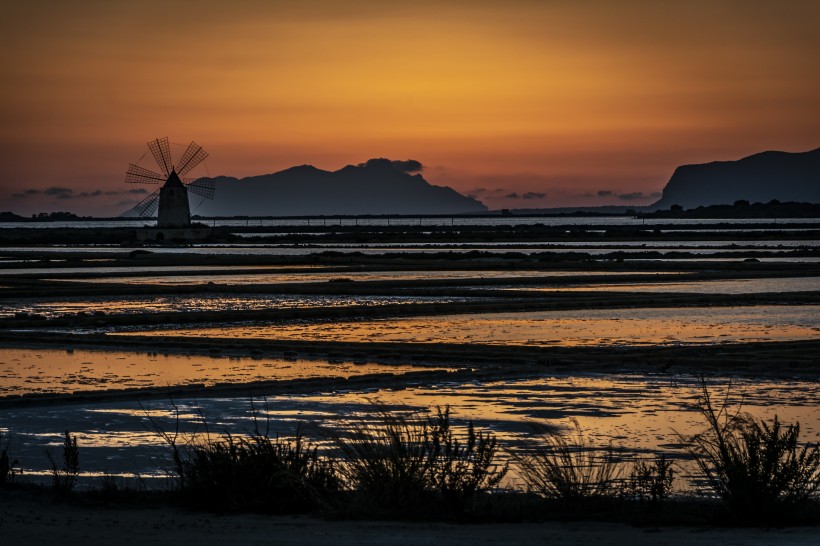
649	481
758	469
569	470
258	473
415	465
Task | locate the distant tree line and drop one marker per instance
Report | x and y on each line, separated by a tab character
741	209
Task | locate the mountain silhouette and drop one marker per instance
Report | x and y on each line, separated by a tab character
758	178
379	186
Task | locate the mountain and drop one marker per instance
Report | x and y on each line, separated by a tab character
757	178
379	186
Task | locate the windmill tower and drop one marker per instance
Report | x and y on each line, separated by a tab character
172	197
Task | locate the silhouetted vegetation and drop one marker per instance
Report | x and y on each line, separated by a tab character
257	473
65	477
567	468
757	468
741	208
406	464
7	465
649	481
415	465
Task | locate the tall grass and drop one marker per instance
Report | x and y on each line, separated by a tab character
258	473
649	481
759	469
7	465
567	467
412	464
64	478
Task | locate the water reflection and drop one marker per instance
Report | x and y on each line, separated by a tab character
204	302
598	327
27	371
637	412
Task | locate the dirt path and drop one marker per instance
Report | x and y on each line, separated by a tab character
32	522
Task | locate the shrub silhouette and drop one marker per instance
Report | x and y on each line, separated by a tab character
258	473
649	481
757	468
567	468
415	465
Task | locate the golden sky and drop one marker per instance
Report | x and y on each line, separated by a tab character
585	102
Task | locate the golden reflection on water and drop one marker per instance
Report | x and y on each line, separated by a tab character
26	371
717	286
639	413
656	326
322	276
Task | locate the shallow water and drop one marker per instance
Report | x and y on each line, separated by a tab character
205	302
718	286
588	327
637	412
323	277
27	371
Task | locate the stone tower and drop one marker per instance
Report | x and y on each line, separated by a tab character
174	211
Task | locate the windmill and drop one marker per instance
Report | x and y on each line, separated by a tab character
172	197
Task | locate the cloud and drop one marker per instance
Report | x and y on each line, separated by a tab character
64	194
26	193
604	193
405	166
408	166
58	191
528	195
631	196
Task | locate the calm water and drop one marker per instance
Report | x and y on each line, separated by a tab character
416	221
206	302
593	327
639	413
27	371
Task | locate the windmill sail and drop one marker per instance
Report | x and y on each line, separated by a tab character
162	154
137	175
147	206
192	157
170	200
204	187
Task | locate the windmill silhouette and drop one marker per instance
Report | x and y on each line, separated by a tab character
172	197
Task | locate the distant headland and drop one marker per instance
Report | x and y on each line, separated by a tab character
378	186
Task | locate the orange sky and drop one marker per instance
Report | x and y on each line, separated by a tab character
497	99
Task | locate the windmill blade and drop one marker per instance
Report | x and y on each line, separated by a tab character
192	157
162	154
147	206
137	175
204	187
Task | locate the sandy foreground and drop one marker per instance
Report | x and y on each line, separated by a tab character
34	522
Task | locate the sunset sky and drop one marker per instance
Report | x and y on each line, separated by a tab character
520	103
